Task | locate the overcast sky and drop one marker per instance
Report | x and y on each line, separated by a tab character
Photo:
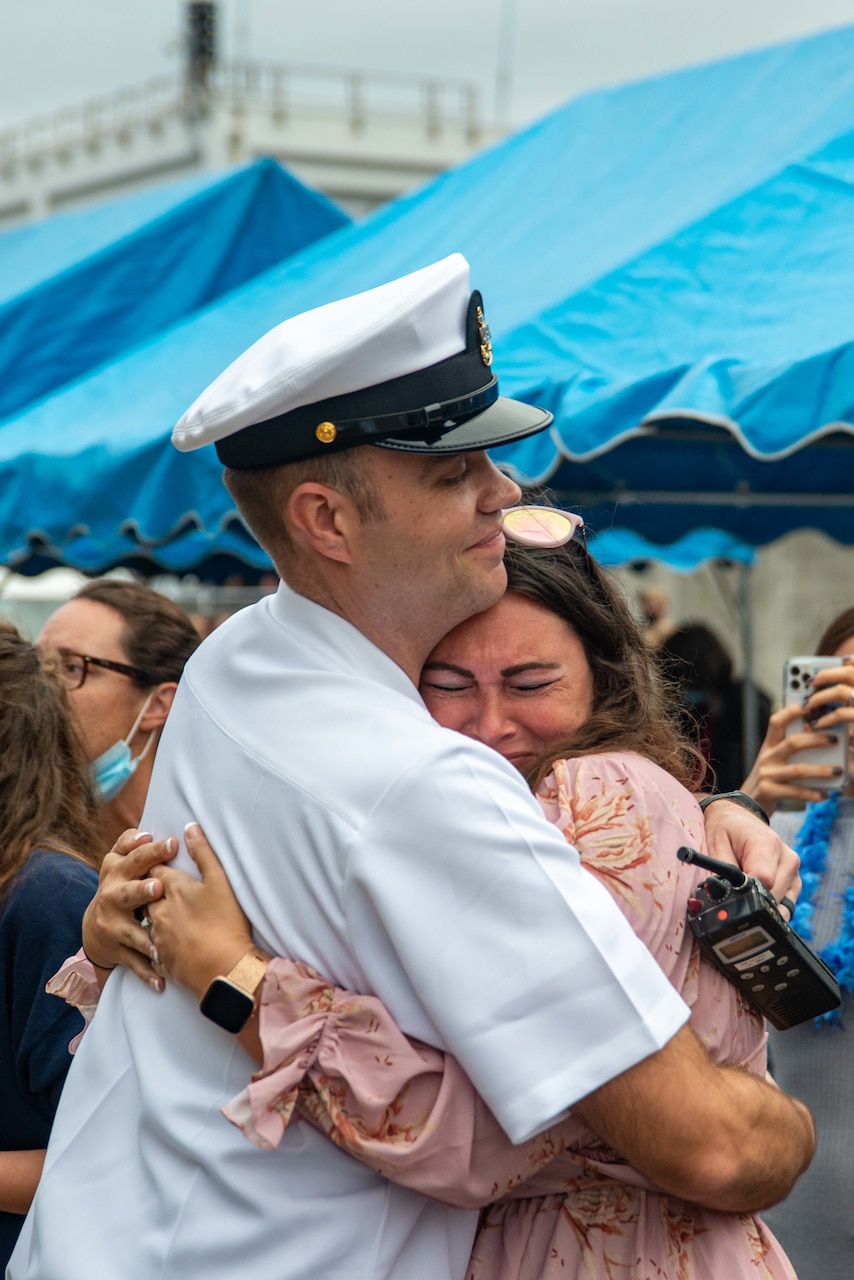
58	52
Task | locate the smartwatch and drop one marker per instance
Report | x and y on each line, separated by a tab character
230	1001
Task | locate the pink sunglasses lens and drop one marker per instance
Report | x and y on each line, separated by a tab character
540	526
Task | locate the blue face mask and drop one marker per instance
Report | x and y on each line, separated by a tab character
115	766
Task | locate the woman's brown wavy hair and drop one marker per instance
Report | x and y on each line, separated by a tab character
632	706
46	798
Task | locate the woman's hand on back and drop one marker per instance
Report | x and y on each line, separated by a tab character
198	927
112	932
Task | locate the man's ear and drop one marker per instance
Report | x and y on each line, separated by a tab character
323	519
159	707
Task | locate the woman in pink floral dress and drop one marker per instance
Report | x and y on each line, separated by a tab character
557	678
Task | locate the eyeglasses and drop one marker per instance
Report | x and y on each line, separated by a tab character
74	668
542	526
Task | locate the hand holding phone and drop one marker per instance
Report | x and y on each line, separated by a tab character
819	735
805	760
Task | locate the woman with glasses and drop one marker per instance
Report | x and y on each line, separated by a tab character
49	852
557	678
121	649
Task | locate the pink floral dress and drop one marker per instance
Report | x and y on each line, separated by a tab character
562	1205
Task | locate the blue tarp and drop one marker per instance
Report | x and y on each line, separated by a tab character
732	178
77	289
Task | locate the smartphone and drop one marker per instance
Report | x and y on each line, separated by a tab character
796	677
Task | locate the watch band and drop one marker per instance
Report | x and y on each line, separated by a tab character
248	973
741	798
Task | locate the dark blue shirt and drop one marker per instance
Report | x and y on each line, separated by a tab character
40	916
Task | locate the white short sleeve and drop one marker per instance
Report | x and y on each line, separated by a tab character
529	972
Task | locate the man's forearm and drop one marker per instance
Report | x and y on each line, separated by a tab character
773	1141
717	1136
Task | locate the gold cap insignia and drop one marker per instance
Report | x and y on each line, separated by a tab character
485	338
326	432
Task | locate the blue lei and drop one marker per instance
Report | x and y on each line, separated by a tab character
811	846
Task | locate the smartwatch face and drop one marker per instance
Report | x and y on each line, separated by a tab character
227	1006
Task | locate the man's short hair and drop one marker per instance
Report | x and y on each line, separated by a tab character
262	495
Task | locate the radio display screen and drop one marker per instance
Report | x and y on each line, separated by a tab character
742	944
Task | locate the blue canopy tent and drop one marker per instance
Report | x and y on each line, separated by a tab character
77	289
559	223
710	380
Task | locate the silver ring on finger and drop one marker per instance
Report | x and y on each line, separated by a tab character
146	923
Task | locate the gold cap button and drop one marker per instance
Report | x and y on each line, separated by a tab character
326	432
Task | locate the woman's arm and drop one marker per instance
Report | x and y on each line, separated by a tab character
403	1108
19	1176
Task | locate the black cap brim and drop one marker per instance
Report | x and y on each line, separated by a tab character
503	422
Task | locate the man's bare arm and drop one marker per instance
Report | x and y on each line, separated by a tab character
714	1135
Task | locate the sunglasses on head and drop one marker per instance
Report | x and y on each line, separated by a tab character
541	526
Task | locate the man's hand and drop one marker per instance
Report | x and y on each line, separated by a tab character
198	926
112	934
734	835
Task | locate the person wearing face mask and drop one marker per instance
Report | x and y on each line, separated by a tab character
121	650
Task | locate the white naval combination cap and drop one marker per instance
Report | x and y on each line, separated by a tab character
405	366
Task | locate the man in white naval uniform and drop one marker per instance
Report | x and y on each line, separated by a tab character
395	856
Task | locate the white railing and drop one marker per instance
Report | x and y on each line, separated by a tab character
283	91
435	105
87	126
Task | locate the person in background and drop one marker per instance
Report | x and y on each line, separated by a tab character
817	1060
656	619
712	710
121	649
49	855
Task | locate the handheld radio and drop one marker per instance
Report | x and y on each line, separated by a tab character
738	925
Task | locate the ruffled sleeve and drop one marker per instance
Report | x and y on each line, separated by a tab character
77	985
403	1108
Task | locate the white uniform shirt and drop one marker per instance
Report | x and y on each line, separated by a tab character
398	858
